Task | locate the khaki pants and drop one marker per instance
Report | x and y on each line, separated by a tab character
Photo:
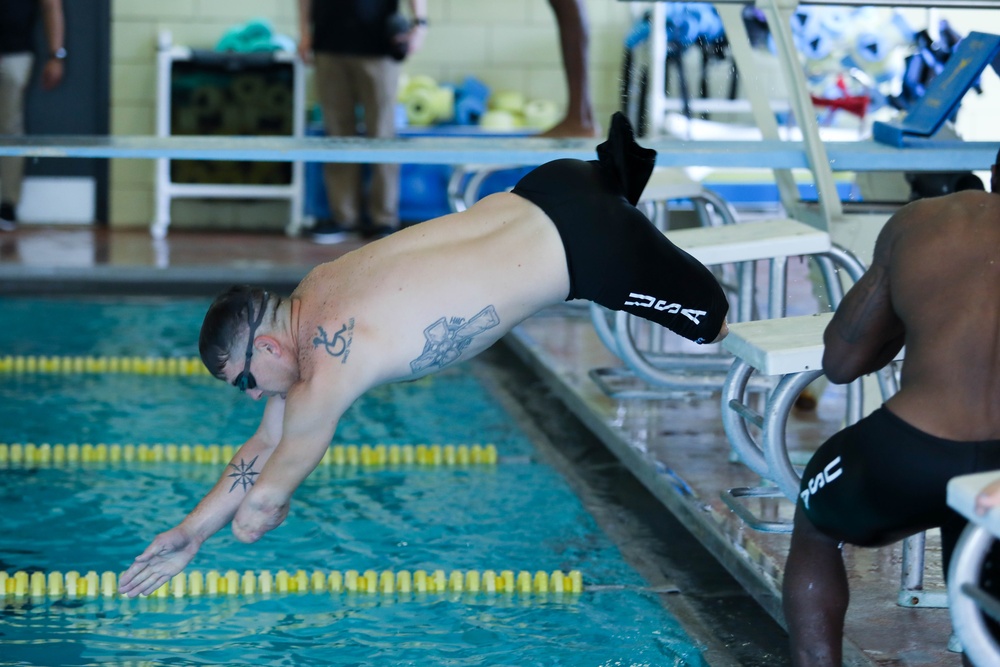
15	72
343	83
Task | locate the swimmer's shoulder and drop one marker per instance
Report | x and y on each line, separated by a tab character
935	215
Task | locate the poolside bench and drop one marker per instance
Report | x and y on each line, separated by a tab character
966	600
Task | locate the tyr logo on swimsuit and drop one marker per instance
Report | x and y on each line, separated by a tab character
646	301
824	477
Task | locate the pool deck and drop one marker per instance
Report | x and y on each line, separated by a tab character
674	444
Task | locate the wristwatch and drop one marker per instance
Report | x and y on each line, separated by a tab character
58	54
420	21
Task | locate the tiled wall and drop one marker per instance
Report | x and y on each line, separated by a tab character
508	44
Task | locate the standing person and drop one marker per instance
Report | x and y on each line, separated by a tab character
574	42
932	285
416	302
357	47
17	57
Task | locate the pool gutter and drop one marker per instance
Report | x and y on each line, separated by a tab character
142	280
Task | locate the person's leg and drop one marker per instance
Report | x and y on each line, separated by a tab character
814	596
574	41
15	72
338	97
378	84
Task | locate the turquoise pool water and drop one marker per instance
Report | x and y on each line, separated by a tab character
519	515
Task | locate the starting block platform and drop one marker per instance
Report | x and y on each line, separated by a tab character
791	345
741	244
792	348
747	242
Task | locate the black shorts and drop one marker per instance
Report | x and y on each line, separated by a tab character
615	256
881	480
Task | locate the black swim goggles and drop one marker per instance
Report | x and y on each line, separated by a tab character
245	380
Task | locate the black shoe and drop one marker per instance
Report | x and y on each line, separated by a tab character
327	232
379	231
8	219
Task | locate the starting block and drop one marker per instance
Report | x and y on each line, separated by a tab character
792	348
641	345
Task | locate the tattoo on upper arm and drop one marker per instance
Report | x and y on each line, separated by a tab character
446	339
244	475
340	344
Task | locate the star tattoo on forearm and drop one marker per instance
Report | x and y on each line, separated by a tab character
244	475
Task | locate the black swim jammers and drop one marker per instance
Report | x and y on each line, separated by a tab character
615	256
882	479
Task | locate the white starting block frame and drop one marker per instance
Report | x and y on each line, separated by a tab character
966	600
774	241
792	348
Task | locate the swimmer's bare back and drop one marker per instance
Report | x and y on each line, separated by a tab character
944	279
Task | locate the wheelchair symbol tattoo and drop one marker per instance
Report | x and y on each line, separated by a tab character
340	343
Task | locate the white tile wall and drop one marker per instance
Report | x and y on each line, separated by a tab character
509	44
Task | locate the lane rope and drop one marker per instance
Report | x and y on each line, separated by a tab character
73	585
125	365
380	455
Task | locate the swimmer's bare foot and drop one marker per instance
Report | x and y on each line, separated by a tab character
568	128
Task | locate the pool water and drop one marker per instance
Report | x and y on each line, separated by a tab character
519	514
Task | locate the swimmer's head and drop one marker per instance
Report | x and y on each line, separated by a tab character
228	330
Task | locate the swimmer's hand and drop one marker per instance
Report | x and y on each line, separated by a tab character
988	498
167	554
259	513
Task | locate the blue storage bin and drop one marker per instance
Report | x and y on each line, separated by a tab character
423	191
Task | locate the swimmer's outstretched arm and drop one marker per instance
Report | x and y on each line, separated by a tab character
988	498
310	420
171	551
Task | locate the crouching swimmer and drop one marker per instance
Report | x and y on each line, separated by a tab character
421	299
932	285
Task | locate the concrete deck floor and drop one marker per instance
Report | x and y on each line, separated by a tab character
674	445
